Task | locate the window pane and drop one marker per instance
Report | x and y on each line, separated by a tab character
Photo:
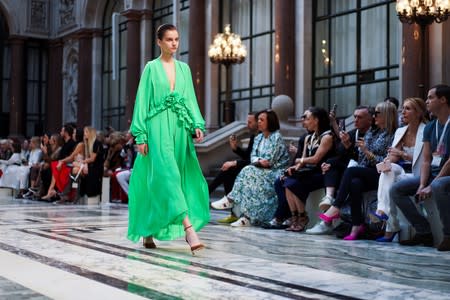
322	7
240	23
338	6
261	60
261	16
322	48
343	44
345	98
394	36
373	56
373	93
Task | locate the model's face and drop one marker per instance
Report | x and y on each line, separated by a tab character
169	43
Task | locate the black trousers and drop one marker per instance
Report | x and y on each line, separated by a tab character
226	178
355	182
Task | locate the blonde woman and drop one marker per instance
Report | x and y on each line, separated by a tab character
92	171
364	177
404	160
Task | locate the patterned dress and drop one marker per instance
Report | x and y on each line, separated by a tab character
253	191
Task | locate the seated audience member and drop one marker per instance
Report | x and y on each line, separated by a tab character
433	182
404	160
129	155
31	168
253	192
25	151
346	151
60	171
306	176
5	149
346	155
91	180
50	153
113	164
282	216
364	177
230	169
11	167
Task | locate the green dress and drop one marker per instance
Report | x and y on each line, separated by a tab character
167	184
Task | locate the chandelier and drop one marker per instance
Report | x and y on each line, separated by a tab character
227	48
423	12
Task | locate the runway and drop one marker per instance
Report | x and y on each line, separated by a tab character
81	252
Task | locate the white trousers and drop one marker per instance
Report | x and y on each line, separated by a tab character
387	179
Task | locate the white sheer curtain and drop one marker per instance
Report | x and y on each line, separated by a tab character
257	70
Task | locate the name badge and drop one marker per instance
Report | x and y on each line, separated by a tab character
436	162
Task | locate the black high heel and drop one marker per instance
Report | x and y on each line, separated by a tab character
194	248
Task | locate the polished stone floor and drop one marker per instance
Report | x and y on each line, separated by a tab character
80	252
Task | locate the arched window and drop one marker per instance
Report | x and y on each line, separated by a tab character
253	85
114	89
356	53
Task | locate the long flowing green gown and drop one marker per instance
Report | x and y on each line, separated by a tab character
167	184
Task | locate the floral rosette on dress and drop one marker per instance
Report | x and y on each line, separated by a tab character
175	102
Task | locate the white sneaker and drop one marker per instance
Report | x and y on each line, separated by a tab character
287	222
326	202
241	222
223	203
320	228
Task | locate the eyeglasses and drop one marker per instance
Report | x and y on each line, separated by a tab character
376	113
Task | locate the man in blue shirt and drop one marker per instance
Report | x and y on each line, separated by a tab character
434	180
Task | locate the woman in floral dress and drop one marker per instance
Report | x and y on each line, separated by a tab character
253	196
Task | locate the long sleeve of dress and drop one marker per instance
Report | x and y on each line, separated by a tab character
191	99
138	126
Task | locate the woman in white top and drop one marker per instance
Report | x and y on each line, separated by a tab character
404	159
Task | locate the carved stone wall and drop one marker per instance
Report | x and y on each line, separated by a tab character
38	16
70	81
67	14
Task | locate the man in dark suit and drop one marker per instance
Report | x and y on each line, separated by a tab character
230	169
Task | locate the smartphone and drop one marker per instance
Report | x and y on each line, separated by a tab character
342	125
383	166
333	109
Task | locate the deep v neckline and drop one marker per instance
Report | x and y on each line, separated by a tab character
167	75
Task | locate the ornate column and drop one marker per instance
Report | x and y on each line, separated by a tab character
53	109
84	109
133	59
147	37
285	48
17	101
197	51
414	83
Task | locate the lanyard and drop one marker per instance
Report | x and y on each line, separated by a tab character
443	131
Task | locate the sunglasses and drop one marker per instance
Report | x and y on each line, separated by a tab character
376	113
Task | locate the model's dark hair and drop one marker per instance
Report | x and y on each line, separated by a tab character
322	115
273	124
442	90
162	30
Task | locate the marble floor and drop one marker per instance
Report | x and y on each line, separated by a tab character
80	252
